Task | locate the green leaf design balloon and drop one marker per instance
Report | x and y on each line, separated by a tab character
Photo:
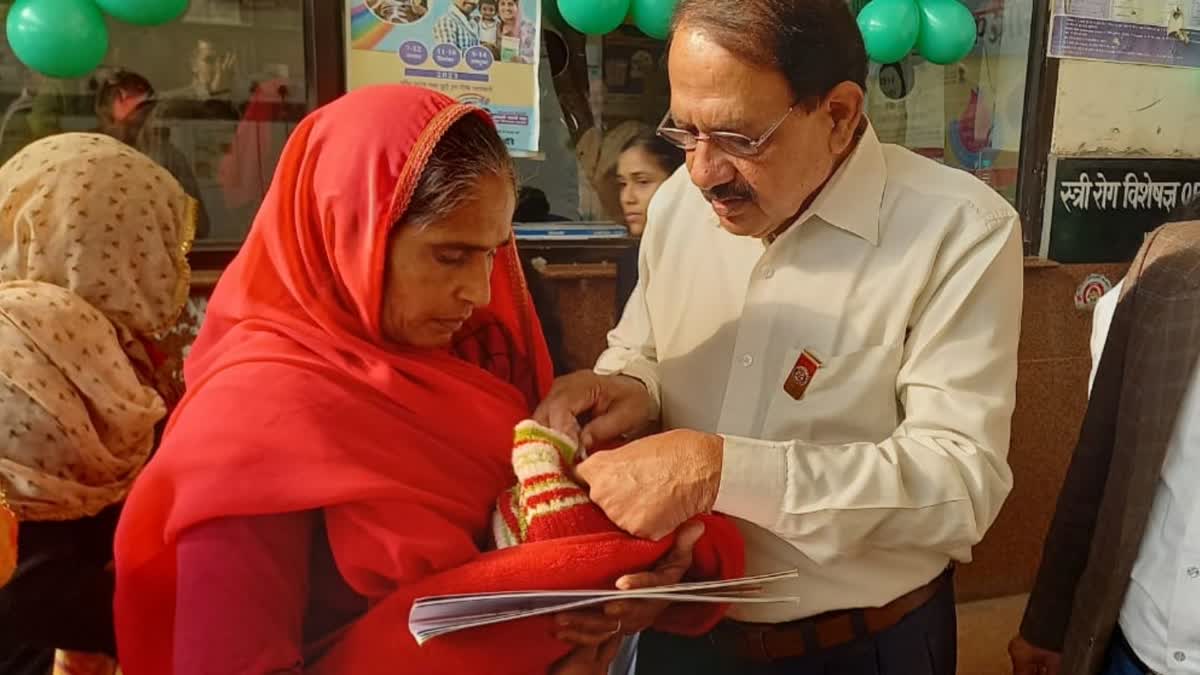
58	38
594	17
144	12
947	32
889	28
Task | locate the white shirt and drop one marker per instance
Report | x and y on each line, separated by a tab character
1161	613
904	278
488	33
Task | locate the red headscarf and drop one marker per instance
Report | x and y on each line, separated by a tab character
296	402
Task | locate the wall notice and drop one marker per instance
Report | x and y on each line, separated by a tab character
482	52
1154	32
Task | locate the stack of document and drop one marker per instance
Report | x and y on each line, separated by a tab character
441	615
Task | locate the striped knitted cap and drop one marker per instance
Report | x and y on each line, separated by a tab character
546	503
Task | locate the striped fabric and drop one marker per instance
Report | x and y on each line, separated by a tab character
546	503
454	28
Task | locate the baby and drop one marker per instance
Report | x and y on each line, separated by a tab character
546	503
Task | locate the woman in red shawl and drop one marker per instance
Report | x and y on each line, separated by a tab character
349	421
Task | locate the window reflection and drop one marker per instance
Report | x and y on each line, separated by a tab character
211	97
967	115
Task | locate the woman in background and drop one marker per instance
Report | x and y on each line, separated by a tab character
518	37
645	162
93	242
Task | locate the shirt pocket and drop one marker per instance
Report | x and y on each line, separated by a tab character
851	398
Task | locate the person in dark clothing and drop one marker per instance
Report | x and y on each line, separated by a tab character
103	234
534	207
1118	568
72	557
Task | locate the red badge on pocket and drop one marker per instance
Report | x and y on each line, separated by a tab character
802	375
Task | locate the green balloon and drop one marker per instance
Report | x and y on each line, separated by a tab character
594	17
653	17
947	31
58	38
889	29
144	12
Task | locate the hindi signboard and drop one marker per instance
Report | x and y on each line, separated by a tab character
1099	210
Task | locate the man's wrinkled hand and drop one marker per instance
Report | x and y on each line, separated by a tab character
1030	660
653	485
626	617
617	406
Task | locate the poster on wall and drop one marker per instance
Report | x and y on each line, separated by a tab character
906	105
1154	32
1099	210
482	52
983	94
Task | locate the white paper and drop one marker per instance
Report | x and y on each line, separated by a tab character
440	615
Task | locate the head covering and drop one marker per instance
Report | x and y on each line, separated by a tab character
93	243
296	401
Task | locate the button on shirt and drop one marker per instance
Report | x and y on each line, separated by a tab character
904	280
1161	612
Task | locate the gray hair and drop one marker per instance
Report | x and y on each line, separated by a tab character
815	44
470	150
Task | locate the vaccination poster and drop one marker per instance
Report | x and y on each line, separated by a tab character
482	52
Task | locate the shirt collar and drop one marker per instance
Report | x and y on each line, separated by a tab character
853	197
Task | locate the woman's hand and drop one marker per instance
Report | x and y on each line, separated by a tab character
589	660
595	628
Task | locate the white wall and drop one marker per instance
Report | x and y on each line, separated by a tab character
1111	109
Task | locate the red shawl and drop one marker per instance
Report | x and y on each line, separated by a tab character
296	402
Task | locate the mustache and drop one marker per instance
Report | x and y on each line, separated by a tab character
729	191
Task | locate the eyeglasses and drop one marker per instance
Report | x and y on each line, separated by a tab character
733	143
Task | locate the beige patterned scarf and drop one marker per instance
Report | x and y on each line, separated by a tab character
93	239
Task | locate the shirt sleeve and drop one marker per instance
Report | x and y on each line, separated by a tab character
241	594
631	349
1102	316
443	31
938	482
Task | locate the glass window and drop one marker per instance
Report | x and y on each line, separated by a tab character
967	115
599	94
212	97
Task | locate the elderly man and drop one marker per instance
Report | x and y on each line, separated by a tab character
826	327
